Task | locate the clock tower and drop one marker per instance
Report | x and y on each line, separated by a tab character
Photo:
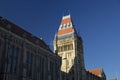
68	45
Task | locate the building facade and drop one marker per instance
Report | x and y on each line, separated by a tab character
69	46
24	56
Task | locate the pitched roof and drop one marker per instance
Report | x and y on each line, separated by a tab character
66	19
66	25
113	79
96	72
4	23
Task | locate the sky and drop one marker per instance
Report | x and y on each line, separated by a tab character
97	21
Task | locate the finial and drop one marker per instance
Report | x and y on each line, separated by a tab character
66	12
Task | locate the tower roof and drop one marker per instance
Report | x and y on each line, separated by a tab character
66	26
96	72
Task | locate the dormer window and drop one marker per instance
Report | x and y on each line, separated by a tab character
69	24
65	26
61	27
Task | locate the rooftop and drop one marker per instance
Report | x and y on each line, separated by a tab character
4	23
96	72
66	25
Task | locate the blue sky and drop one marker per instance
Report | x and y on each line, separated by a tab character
98	22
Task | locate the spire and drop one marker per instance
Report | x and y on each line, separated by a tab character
66	26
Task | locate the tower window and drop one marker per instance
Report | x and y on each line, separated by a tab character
65	47
68	24
62	49
70	47
69	54
59	49
61	27
65	25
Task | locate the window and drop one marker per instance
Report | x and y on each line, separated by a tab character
71	46
29	64
59	48
69	54
14	66
65	25
65	47
40	68
24	72
10	56
57	73
61	26
69	24
29	70
62	48
15	59
16	52
51	71
12	59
